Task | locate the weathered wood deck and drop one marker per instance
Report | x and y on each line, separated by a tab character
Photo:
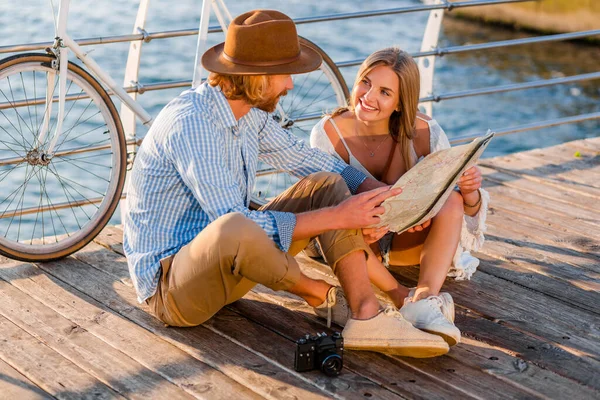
530	316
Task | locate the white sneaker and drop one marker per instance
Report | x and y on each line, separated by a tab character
447	303
426	314
388	332
335	307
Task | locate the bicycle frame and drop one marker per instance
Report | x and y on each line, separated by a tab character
63	43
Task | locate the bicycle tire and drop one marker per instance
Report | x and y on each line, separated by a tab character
81	186
326	91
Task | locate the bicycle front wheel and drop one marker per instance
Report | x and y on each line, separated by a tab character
52	205
314	94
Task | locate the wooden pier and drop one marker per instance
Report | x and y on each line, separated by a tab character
530	316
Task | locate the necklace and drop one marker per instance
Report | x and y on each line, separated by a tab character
371	152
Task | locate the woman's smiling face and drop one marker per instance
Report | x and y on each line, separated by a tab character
376	95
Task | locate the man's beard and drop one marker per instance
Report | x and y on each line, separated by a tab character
270	104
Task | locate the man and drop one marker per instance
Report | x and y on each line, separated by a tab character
193	245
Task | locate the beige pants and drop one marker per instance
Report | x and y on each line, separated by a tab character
233	253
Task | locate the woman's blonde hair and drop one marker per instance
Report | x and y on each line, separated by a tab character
403	120
254	89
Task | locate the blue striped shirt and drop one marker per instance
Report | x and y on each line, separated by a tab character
197	163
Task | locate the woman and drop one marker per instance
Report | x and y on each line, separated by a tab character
382	133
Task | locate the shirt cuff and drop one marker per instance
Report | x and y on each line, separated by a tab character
353	178
286	222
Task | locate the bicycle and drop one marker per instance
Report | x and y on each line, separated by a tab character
63	171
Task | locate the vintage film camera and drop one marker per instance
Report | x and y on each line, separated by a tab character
320	351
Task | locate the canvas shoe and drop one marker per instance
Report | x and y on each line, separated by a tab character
335	307
447	303
426	314
388	332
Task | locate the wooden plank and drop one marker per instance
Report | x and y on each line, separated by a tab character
570	248
73	342
265	343
263	340
493	177
263	376
543	213
562	338
47	369
571	164
532	203
173	364
539	270
556	238
565	367
428	387
435	376
540	169
590	144
13	385
564	364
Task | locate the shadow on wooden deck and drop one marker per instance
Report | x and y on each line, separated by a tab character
530	316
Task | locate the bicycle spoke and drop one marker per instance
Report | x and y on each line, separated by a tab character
50	204
83	134
86	170
24	186
11	103
318	96
10	170
39	211
298	90
51	128
55	172
14	192
27	103
76	183
8	133
67	196
20	118
71	160
75	126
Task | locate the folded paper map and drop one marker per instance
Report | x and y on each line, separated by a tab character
426	186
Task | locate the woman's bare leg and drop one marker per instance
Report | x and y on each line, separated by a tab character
381	277
437	251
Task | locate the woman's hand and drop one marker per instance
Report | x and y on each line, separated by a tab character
470	181
371	235
419	228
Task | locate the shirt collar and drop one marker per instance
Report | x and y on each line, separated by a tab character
226	118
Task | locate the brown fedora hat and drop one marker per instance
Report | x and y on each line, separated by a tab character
261	42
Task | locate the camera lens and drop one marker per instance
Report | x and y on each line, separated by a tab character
332	365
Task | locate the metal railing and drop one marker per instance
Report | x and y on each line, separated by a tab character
437	52
147	37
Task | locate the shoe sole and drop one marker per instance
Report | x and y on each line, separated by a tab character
414	351
447	338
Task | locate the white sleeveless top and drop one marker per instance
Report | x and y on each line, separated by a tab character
473	229
319	139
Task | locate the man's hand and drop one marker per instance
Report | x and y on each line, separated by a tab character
371	235
419	228
363	210
470	181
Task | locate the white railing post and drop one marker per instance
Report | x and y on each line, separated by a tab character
128	117
202	39
427	64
